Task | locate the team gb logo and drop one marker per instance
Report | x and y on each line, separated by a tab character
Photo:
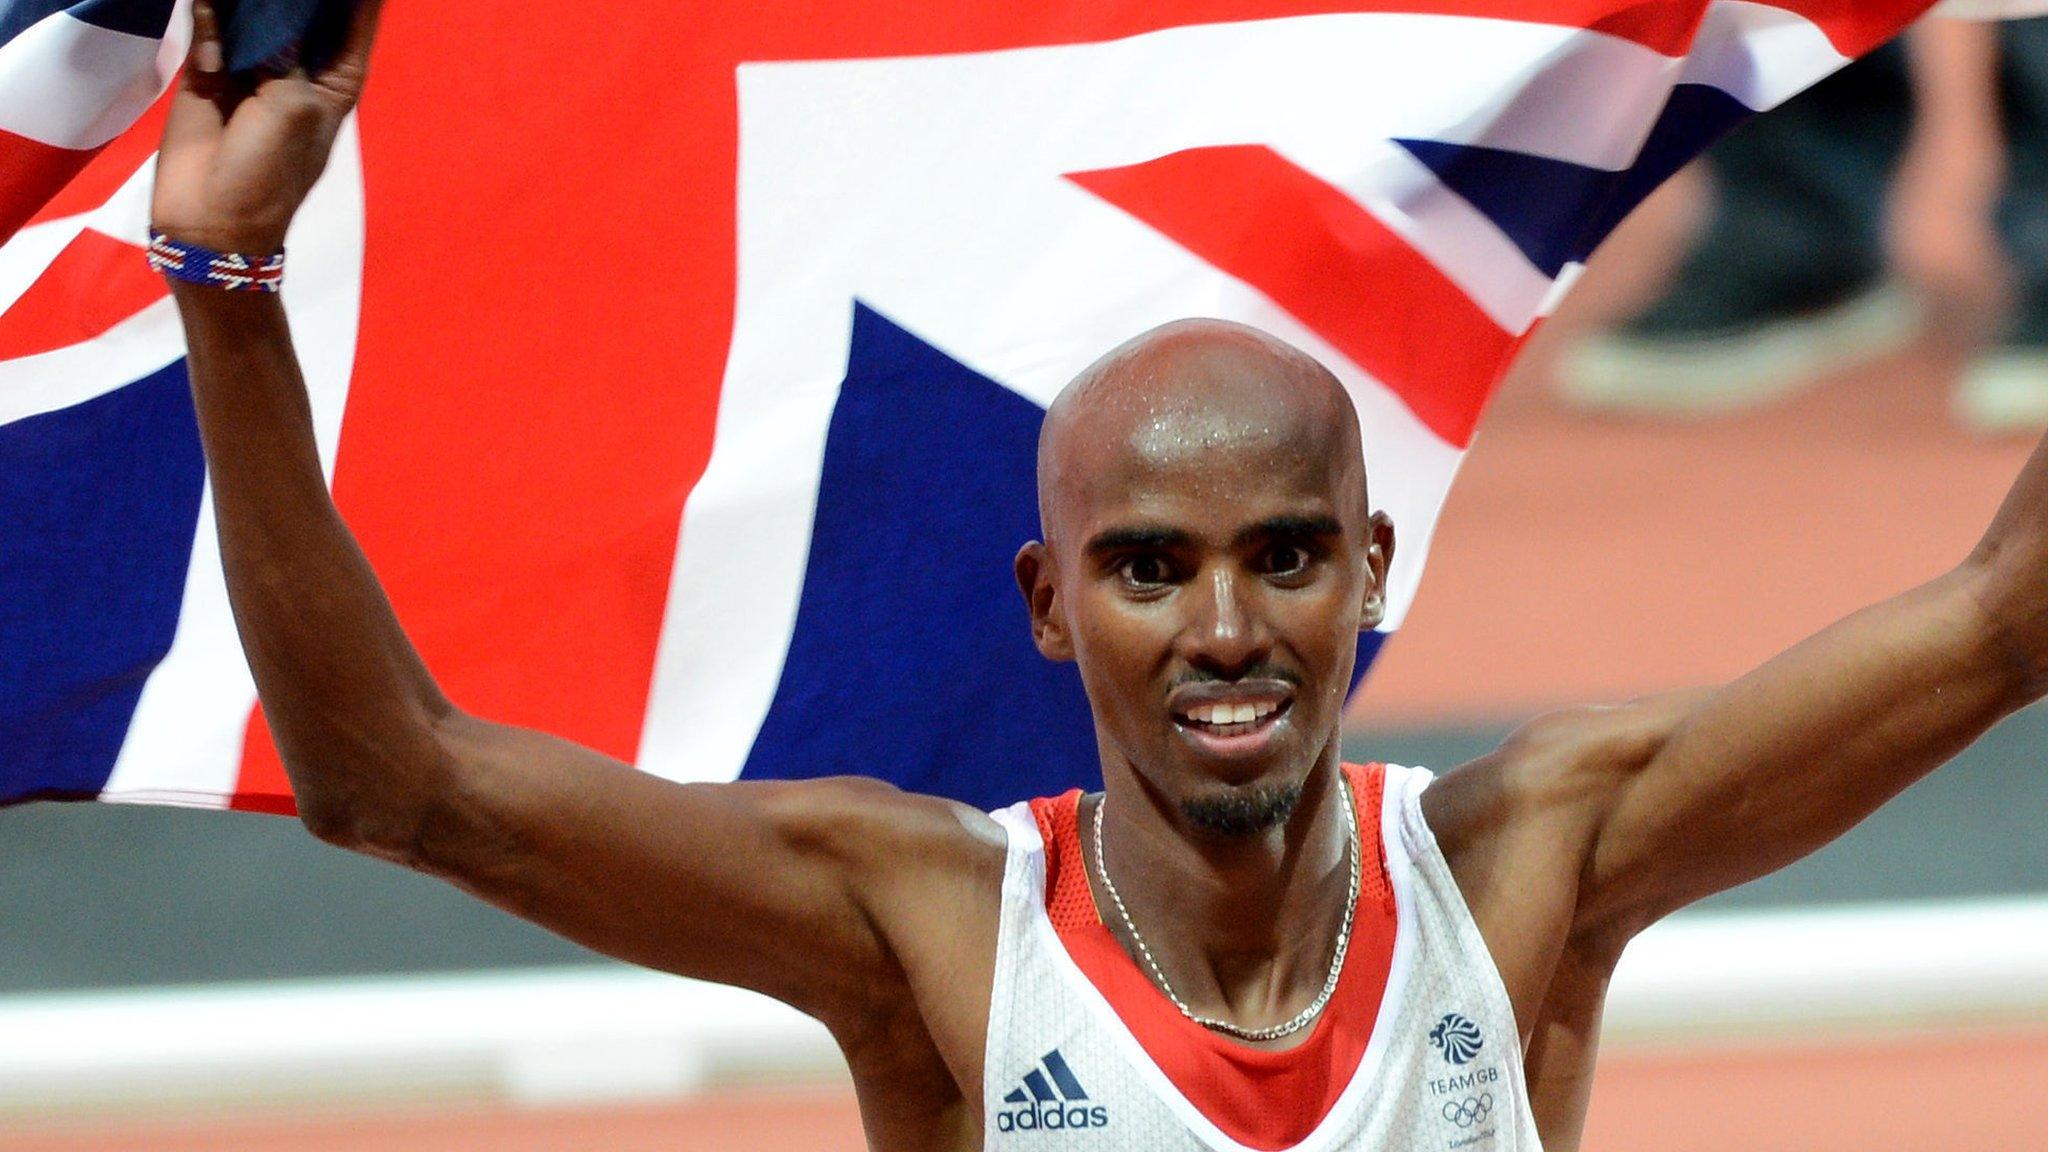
1457	1038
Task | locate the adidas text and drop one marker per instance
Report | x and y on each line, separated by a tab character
1051	1116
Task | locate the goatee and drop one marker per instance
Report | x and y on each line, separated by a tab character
1242	811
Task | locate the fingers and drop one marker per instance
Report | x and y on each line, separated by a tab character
351	65
362	31
200	109
206	64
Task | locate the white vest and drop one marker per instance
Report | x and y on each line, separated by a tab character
1442	1071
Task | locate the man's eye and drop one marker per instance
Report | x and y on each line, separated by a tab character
1285	559
1145	570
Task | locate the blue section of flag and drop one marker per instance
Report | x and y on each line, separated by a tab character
1368	650
136	17
1535	200
148	18
1558	212
254	31
1694	117
911	657
17	16
99	501
258	31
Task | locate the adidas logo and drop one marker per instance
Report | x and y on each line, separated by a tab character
1050	1100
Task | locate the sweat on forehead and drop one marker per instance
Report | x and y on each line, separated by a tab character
1189	387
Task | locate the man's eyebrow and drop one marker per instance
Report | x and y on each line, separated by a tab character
1135	538
1298	527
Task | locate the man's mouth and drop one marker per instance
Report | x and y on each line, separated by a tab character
1231	719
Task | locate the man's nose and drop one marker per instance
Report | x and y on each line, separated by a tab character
1224	634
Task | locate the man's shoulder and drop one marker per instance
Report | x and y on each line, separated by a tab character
1518	827
1558	771
865	822
926	875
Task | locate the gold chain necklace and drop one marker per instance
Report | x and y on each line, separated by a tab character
1301	1019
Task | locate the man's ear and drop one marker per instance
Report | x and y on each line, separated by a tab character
1379	556
1041	599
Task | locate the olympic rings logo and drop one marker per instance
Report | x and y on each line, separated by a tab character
1469	1111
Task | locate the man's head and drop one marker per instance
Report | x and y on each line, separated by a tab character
1209	554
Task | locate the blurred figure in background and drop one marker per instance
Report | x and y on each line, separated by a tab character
1905	198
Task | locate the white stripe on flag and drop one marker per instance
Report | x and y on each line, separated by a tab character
29	253
70	84
1477	256
1547	90
1759	54
967	233
125	353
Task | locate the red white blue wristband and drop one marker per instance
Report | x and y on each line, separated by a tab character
234	271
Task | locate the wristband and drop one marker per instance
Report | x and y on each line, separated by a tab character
233	271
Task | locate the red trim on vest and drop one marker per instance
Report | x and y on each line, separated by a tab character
1265	1099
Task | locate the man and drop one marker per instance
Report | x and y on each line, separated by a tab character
1241	942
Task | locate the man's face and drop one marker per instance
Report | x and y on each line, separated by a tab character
1211	568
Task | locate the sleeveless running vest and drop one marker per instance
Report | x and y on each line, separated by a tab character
1417	1050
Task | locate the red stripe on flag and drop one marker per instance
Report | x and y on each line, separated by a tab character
1667	28
262	786
1331	264
111	168
94	283
31	172
1855	27
522	429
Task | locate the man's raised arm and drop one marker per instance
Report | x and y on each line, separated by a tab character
758	885
1755	775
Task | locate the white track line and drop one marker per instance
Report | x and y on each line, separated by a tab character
599	1034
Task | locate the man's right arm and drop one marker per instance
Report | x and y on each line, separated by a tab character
705	880
760	885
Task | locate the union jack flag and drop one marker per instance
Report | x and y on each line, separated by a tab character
748	510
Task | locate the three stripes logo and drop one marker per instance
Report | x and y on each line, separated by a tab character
1050	1100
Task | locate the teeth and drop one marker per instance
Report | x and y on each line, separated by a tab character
1220	714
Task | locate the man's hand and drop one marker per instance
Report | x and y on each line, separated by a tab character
240	153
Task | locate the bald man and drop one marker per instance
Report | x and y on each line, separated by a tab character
1241	942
